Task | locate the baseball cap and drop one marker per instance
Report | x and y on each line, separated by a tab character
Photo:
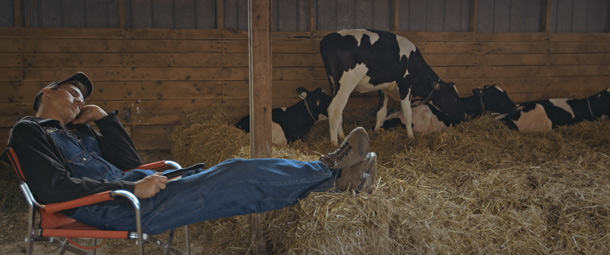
80	77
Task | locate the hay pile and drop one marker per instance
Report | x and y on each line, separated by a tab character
478	188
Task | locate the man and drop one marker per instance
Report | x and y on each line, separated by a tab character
64	158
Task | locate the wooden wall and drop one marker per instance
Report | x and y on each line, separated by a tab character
156	76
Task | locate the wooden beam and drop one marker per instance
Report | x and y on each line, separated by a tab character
395	15
259	44
474	16
18	12
122	14
220	14
312	17
546	17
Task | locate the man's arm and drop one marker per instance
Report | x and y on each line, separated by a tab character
116	144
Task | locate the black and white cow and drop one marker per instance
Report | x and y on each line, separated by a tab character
370	60
545	115
489	99
293	123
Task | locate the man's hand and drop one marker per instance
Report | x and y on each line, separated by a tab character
89	113
150	185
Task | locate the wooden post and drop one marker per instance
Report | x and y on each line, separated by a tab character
546	17
259	42
474	16
395	15
122	14
220	14
18	13
312	18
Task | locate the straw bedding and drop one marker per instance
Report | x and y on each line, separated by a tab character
477	188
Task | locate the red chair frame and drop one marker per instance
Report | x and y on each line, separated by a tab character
57	228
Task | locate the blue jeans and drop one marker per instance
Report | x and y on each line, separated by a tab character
233	187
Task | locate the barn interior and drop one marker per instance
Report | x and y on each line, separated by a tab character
178	72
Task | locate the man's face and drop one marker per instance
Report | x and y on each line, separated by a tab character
66	100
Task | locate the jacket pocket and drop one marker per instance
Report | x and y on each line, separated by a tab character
80	158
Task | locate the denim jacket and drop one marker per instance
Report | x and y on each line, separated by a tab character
55	177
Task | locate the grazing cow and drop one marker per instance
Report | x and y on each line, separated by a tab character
490	99
293	123
545	115
370	60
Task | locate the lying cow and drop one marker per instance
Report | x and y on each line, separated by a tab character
490	99
293	123
370	60
545	115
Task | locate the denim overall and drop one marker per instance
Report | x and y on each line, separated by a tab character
233	187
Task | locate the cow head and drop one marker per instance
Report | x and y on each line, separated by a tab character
445	98
494	99
601	104
316	101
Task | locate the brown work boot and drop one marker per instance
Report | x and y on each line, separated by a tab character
351	152
359	177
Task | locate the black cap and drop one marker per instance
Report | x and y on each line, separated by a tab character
80	77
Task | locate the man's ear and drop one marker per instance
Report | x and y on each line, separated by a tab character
46	91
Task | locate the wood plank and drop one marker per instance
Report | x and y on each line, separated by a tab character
447	47
186	34
191	59
62	33
141	73
10	60
514	47
512	59
143	90
78	59
173	45
11	45
517	71
9	74
582	59
579	47
297	60
152	137
74	45
441	59
586	37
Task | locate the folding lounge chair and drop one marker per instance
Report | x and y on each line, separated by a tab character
57	228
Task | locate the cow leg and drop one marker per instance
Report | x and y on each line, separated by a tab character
335	115
405	104
383	110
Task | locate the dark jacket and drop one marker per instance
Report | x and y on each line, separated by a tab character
48	173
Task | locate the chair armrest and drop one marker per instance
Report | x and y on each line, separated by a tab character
154	165
92	199
159	165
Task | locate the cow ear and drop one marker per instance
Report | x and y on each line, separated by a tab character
302	92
